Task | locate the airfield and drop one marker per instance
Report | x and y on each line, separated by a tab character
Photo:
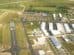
20	27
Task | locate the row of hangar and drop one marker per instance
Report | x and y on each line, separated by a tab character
52	29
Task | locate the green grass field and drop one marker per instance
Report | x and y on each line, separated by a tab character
8	1
17	5
21	39
68	46
6	37
20	36
0	35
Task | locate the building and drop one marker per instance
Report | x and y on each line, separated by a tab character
73	26
44	14
47	28
54	28
12	25
50	26
70	26
39	41
43	25
55	42
41	52
67	28
54	16
65	38
60	27
60	15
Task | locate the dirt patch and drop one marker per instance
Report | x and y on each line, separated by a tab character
71	0
5	53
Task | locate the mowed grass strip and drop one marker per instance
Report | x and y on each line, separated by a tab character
6	40
1	35
47	9
21	40
20	36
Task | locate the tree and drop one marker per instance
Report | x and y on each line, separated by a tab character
62	9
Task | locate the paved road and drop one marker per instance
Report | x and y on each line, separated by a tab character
14	48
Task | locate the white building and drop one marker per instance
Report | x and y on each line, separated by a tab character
39	41
60	15
31	23
64	37
73	25
54	16
59	30
67	28
55	42
50	26
43	25
60	27
44	14
12	25
41	52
